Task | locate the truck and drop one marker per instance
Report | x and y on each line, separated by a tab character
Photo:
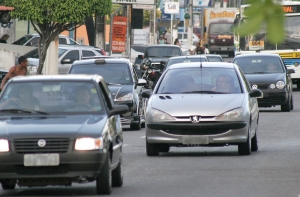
217	29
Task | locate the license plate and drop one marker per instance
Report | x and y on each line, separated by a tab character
195	139
223	48
41	159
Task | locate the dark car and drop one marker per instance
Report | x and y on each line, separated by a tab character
268	73
56	130
123	83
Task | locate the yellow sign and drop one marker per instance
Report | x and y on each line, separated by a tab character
296	54
223	14
224	37
257	43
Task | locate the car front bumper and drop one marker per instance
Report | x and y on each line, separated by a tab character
197	133
71	165
271	98
131	117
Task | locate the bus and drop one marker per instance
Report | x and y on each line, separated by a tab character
289	49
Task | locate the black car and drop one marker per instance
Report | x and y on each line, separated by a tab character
268	73
56	130
123	82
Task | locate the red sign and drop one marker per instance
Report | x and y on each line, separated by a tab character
119	34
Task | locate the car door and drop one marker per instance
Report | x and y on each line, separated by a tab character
66	61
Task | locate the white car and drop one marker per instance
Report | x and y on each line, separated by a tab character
32	40
183	38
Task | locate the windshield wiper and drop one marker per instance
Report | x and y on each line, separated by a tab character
257	73
23	111
202	91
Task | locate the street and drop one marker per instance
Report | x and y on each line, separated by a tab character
207	171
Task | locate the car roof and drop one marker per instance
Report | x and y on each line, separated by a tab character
204	64
163	45
187	57
68	46
106	60
258	55
37	35
69	77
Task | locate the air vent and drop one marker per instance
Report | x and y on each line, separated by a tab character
162	97
168	97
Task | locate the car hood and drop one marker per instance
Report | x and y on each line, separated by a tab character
196	104
119	90
51	126
265	78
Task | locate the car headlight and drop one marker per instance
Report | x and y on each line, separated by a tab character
235	114
4	147
88	143
280	84
212	40
126	97
159	115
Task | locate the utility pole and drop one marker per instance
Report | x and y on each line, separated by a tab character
190	27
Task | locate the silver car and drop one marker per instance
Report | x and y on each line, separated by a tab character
207	104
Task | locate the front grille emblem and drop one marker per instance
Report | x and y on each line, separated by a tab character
195	119
41	143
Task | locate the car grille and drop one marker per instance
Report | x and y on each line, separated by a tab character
196	131
263	86
271	99
53	145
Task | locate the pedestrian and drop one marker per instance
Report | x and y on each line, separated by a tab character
168	37
177	42
4	38
161	40
205	49
198	49
17	70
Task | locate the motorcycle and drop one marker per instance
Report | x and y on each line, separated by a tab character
151	72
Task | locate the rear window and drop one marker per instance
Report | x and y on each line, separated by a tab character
185	60
115	73
214	59
163	52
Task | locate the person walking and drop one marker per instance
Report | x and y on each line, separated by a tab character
205	49
168	37
198	49
177	42
161	40
17	70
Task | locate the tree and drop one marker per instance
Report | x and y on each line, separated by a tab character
51	17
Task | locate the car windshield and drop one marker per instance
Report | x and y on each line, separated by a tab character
51	97
259	65
200	81
113	73
184	60
163	52
23	40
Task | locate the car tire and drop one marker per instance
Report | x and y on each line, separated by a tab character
8	184
286	107
292	103
254	143
245	148
164	148
152	149
104	179
135	126
117	175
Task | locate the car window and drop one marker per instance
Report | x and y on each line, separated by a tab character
214	59
163	52
87	53
53	97
61	51
116	73
184	60
23	40
205	80
259	64
72	55
62	41
72	41
33	42
32	54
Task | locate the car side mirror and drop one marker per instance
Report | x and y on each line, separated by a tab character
290	71
66	61
256	93
118	109
146	93
141	82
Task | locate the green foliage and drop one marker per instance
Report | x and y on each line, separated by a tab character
264	12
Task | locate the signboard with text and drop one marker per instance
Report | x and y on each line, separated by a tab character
149	2
119	34
171	8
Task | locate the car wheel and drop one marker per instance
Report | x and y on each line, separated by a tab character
8	184
135	126
152	149
292	103
254	144
117	175
104	180
286	107
245	148
164	148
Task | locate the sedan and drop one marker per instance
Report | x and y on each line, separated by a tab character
211	104
56	130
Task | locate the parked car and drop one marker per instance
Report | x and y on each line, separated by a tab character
67	54
33	39
183	38
276	84
51	136
208	105
123	82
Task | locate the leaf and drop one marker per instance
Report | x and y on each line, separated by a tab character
252	25
275	26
